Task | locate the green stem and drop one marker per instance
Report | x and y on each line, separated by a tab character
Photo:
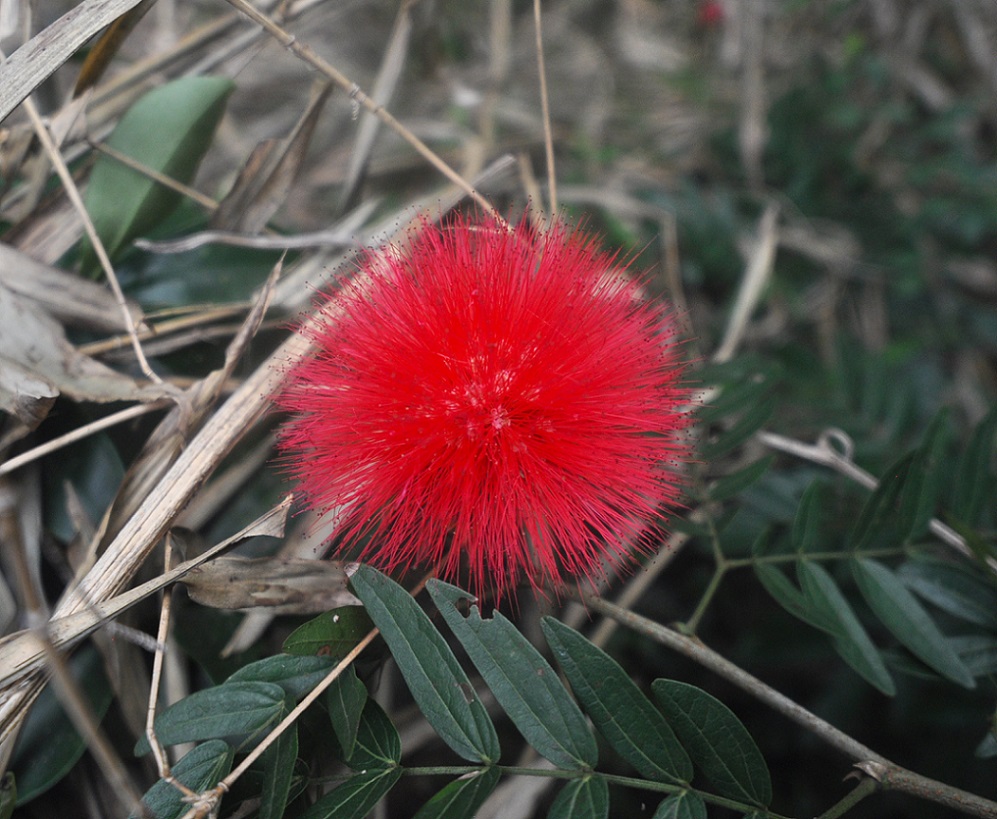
741	562
866	787
611	779
692	624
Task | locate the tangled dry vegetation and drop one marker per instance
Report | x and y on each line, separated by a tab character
811	182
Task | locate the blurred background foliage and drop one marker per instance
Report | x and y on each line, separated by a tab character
869	124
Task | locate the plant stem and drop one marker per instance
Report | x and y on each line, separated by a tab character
865	788
888	774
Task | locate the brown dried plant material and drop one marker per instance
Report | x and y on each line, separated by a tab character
281	585
270	172
39	363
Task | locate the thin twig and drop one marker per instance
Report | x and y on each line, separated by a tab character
545	109
879	767
210	799
73	194
158	753
78	434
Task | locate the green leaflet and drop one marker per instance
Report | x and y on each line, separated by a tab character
523	682
437	682
907	620
720	746
620	711
168	130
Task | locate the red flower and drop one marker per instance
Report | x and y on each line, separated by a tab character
502	401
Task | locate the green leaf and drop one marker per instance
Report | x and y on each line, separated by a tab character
974	479
953	589
906	620
333	634
978	653
849	637
920	491
880	511
344	700
199	770
168	130
437	682
584	798
48	745
523	682
296	675
462	798
735	483
720	746
790	597
746	426
806	525
278	770
377	744
621	713
8	795
239	711
685	805
356	797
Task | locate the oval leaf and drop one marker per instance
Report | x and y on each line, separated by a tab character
378	744
296	675
849	637
239	711
685	805
278	770
523	682
332	634
953	589
720	746
585	798
900	612
168	130
199	770
621	713
356	797
344	700
462	797
49	745
437	682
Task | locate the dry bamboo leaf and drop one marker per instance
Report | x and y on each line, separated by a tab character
37	59
270	172
281	585
72	300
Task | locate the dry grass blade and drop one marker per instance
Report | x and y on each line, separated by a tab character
37	60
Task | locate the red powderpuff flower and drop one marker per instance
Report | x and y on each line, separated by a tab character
493	401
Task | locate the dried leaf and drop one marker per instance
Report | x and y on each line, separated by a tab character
281	585
71	299
269	173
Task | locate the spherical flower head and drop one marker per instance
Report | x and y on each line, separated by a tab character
496	403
